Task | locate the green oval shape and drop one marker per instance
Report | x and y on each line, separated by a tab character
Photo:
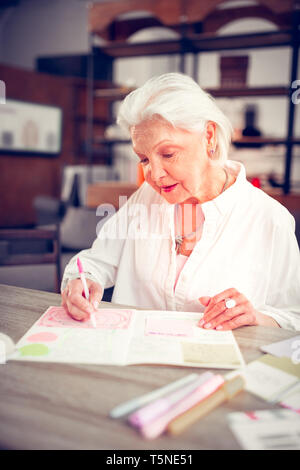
34	350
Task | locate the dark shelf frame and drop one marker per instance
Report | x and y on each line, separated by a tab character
116	94
263	92
244	140
198	43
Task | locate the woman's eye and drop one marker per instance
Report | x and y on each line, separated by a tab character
144	161
168	155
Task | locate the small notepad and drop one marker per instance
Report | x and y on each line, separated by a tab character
270	377
287	348
165	326
266	429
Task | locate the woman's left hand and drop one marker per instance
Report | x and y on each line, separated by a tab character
218	316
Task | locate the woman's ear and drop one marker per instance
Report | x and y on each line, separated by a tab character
211	140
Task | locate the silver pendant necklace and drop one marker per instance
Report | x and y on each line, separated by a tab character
179	238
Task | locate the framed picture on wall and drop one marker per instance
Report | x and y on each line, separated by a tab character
30	128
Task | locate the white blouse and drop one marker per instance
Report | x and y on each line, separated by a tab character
248	242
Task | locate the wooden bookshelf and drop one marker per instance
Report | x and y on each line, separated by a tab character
196	24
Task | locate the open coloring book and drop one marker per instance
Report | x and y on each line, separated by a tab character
127	336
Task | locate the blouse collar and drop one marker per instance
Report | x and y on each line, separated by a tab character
224	202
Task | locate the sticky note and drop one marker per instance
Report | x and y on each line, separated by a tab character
168	326
209	353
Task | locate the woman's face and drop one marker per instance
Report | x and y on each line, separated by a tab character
175	161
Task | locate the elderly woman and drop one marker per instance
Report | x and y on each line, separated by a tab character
196	236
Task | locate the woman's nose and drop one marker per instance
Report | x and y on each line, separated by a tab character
157	171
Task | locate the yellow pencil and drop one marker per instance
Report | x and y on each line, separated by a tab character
226	392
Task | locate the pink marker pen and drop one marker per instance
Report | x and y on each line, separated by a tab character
148	413
156	427
86	290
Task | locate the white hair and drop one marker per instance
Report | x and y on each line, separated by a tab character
179	100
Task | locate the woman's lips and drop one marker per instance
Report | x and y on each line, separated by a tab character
167	189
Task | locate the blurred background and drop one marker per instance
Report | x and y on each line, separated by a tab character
65	66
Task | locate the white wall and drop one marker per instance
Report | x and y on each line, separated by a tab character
43	27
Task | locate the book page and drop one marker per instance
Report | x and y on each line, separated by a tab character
56	337
174	338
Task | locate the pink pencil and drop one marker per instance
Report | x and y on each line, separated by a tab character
86	290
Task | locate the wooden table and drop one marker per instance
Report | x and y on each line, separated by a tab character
62	406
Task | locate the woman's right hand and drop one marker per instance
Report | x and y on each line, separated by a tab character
76	304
